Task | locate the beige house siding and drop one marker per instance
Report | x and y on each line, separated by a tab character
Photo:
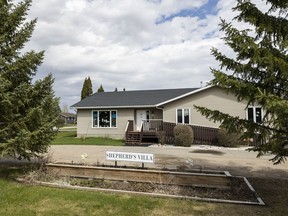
213	98
156	114
84	124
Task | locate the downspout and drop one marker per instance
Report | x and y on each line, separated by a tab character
162	135
160	108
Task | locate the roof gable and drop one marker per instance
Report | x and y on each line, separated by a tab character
144	98
184	95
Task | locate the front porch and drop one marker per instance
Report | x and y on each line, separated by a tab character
153	130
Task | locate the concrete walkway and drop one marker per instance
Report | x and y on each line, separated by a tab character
236	161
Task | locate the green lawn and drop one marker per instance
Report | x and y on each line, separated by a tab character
69	138
20	199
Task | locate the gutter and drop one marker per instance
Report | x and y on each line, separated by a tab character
115	107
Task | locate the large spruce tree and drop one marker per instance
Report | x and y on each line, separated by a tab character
29	110
259	74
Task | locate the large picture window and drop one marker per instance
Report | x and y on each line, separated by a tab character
254	114
183	116
104	119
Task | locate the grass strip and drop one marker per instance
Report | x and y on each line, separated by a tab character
70	138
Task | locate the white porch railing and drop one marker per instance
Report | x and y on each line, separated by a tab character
153	125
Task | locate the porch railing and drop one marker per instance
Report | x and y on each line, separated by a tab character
168	127
153	125
202	134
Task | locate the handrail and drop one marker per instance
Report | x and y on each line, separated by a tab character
129	127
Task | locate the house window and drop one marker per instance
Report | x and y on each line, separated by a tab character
254	114
104	119
183	116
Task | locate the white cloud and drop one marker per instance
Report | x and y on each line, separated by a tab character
119	43
74	6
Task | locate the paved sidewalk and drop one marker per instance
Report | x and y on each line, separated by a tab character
236	161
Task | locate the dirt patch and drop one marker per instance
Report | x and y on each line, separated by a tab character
236	188
238	191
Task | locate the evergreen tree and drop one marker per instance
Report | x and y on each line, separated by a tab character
29	110
84	89
101	89
260	74
87	88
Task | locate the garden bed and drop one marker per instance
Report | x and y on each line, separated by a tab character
160	183
167	177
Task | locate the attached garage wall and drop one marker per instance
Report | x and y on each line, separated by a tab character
213	98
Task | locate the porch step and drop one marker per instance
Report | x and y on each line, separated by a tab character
133	138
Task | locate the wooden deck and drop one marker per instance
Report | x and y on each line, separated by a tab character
153	129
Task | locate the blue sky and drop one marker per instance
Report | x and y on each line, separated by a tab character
127	44
209	8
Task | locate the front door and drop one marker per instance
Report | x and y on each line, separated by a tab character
141	115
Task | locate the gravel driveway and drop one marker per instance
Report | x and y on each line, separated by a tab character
237	161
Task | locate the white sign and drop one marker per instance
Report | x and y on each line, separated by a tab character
130	157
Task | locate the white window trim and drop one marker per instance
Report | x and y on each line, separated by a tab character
254	113
98	119
189	113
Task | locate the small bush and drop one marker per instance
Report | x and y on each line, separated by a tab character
183	135
229	139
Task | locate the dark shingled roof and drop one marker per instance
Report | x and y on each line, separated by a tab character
131	98
67	114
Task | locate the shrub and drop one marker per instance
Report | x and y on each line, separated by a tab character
183	135
229	139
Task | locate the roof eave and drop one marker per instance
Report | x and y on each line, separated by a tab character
115	107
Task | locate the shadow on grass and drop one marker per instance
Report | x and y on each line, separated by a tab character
12	171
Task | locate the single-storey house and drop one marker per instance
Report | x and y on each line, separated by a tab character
112	114
69	118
